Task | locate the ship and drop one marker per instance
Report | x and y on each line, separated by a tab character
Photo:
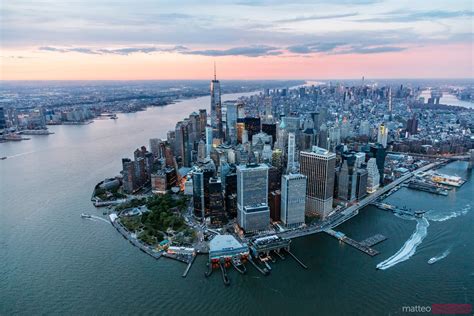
454	181
83	215
427	187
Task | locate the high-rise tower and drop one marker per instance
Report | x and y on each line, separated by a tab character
216	107
291	152
318	165
252	197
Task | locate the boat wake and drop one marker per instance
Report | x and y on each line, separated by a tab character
444	217
97	218
409	248
21	154
440	256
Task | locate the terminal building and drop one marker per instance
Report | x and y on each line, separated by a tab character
262	246
223	248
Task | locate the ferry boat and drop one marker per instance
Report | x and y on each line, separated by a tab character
454	181
83	215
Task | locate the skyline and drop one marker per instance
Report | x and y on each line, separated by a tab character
262	39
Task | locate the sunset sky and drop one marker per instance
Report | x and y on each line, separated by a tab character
248	39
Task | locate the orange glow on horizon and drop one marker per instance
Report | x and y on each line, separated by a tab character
443	61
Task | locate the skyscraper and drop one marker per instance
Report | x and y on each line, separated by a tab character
412	125
231	122
216	107
216	202
2	119
252	194
128	174
291	152
208	141
347	180
155	147
373	176
202	121
293	199
382	135
318	165
198	193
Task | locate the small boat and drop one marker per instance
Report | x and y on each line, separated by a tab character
83	215
432	260
3	158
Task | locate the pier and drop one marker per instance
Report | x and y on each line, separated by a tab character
372	241
262	271
362	246
185	273
297	260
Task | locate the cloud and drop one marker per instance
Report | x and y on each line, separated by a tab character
369	50
329	48
116	51
250	51
317	17
314	48
299	2
403	17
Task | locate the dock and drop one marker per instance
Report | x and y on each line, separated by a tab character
297	260
358	245
262	271
372	241
185	273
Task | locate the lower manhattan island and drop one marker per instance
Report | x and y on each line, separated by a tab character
198	176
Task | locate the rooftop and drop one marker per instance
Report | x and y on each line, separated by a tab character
224	242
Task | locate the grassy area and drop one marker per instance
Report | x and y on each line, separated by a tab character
106	195
163	219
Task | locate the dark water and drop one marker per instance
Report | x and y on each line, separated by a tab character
54	262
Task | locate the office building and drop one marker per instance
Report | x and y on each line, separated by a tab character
209	139
3	123
216	202
155	147
361	186
382	135
319	167
347	180
274	203
373	176
231	122
216	107
128	176
252	197
198	193
291	152
293	199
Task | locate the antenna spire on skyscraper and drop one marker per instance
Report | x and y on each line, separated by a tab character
215	78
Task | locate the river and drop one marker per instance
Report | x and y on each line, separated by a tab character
55	262
448	99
